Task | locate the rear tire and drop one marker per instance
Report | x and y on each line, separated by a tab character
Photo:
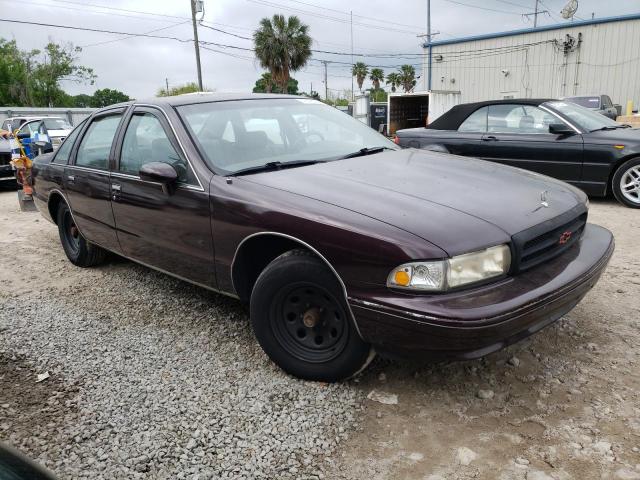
301	320
626	183
79	251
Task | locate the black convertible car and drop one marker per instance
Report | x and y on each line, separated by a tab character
552	137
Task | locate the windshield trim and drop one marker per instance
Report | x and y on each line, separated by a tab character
560	116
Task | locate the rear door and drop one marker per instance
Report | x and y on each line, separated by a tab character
170	232
518	135
86	180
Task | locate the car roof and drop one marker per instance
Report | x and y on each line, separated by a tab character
202	97
452	119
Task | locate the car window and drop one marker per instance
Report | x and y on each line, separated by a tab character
514	118
607	101
146	141
476	122
587	102
29	127
95	146
57	124
63	153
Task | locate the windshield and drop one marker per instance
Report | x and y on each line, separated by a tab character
588	102
583	117
56	124
244	134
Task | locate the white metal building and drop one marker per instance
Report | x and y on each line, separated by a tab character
599	56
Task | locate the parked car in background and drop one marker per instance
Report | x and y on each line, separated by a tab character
14	123
342	243
598	103
553	137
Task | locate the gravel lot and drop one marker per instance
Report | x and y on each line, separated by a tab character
152	378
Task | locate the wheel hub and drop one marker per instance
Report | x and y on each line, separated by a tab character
311	317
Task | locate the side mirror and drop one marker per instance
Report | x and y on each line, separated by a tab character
561	129
161	173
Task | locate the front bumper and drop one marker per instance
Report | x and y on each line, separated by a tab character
475	322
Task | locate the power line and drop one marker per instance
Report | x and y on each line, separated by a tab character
97	30
482	8
132	35
329	17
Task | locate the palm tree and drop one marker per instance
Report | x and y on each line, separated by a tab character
360	71
377	75
267	80
282	45
393	79
407	77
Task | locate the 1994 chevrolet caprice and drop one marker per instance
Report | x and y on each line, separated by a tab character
342	243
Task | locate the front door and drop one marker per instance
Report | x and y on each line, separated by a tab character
86	181
168	231
518	135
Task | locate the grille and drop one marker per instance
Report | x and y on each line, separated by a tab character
548	240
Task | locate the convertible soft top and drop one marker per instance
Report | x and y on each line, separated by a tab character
452	119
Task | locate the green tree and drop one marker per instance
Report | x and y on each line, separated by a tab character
377	75
407	77
378	95
59	63
82	100
282	46
263	86
190	87
393	79
360	71
106	96
15	66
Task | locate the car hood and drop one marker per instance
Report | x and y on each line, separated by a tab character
619	135
456	203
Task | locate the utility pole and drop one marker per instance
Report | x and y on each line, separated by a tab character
429	40
196	44
166	82
326	87
352	96
535	15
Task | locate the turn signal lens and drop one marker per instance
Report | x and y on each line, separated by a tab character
619	147
402	277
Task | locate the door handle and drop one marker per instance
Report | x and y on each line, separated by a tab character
115	191
71	178
489	138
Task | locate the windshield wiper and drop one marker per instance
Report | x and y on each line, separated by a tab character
611	127
277	165
366	151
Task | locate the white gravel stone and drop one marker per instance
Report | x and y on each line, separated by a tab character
485	394
383	397
464	456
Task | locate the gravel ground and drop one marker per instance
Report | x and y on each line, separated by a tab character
152	378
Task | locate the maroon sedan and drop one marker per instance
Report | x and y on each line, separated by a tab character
342	244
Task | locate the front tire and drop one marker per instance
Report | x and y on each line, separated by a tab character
626	183
301	320
79	251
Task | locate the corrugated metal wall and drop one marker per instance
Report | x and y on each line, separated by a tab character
607	62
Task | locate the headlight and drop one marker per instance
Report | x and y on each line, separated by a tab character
457	271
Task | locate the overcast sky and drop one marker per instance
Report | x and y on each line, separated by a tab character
138	66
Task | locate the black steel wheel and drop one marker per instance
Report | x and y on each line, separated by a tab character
301	320
79	251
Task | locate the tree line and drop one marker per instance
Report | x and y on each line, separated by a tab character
33	78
